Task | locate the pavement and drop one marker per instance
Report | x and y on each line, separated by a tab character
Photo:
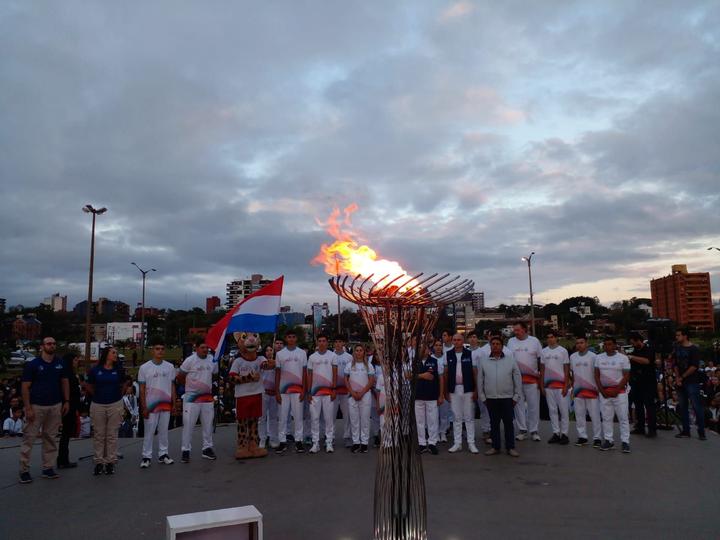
666	488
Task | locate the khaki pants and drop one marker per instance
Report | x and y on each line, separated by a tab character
46	424
106	420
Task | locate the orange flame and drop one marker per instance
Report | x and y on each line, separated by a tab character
347	256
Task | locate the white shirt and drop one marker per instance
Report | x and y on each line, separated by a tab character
198	383
612	368
321	365
583	369
85	426
526	352
554	359
359	375
341	360
380	390
158	380
243	368
291	364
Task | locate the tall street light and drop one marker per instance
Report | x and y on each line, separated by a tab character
88	209
528	260
142	310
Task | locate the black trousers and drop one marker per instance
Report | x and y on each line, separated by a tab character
644	395
69	423
501	410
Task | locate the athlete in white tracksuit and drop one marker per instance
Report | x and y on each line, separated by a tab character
322	378
555	374
196	373
268	425
612	372
290	388
360	379
585	392
527	350
342	357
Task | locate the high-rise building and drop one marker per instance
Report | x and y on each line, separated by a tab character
685	297
56	302
211	304
478	300
3	303
239	289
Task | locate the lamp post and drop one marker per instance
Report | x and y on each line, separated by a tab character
142	310
528	260
88	209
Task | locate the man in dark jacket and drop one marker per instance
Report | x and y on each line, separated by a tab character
69	421
461	385
643	382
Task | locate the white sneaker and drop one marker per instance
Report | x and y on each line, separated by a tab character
329	449
455	448
535	436
166	460
315	448
262	444
521	436
274	444
473	449
145	463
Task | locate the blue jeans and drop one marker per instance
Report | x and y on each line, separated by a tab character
690	392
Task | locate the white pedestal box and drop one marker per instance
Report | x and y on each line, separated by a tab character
241	523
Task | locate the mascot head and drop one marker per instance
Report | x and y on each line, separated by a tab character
248	342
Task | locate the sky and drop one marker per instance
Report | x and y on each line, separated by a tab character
468	133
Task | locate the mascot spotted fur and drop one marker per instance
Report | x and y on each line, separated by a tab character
245	373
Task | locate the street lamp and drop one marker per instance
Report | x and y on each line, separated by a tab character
142	310
713	247
88	209
528	260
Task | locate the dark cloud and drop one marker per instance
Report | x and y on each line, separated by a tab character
468	133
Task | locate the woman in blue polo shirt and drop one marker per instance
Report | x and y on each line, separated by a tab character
106	385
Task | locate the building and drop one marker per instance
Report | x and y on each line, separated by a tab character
98	331
685	297
149	312
3	303
212	303
291	318
239	289
582	310
56	302
478	300
26	327
113	308
81	308
125	331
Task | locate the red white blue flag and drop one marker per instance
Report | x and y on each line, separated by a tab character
257	312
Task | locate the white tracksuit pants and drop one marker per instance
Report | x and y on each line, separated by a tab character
527	410
589	406
306	417
322	405
290	403
159	421
360	418
444	413
268	425
341	402
609	408
463	408
426	415
559	410
191	412
484	416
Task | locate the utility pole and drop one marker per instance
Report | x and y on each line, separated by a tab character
88	209
337	272
528	260
142	310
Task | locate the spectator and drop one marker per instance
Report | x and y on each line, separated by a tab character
85	425
712	414
70	420
46	393
14	425
687	362
643	382
105	384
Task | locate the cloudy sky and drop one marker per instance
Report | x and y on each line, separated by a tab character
469	134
